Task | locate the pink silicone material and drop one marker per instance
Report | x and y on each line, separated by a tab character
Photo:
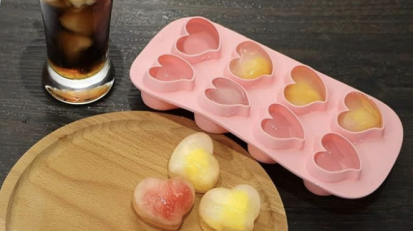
312	143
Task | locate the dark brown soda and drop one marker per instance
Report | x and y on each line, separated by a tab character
77	35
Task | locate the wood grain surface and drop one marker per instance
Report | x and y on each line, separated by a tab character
82	176
364	43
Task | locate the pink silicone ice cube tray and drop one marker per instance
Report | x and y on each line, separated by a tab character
190	64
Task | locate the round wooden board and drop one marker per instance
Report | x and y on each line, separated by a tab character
82	176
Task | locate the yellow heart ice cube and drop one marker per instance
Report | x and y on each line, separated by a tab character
253	62
225	209
302	93
193	160
253	67
363	114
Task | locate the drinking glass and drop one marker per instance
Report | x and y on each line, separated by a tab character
78	69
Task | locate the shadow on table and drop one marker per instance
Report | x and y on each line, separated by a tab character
291	187
33	62
136	104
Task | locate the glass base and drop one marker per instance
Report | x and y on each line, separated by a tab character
79	92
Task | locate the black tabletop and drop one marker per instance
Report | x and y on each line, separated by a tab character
365	44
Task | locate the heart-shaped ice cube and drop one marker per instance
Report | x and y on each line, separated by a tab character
308	87
253	61
230	209
363	114
163	203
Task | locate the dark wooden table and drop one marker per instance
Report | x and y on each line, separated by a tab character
366	44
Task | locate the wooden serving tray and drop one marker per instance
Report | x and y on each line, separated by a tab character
82	176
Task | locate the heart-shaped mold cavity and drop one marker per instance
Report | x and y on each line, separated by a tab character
252	62
282	131
227	98
227	92
170	73
363	114
307	89
172	68
338	160
201	41
283	124
339	155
